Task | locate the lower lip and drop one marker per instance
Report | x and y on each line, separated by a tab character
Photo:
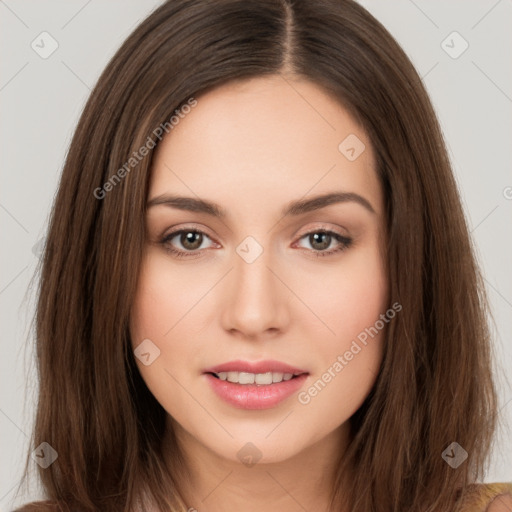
253	396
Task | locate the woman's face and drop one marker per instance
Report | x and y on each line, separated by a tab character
285	275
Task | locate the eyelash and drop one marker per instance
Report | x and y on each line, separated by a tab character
345	243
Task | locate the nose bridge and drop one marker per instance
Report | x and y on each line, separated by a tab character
255	301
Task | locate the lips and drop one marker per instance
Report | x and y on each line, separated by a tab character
255	367
261	385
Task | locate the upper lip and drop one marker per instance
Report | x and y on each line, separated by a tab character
255	367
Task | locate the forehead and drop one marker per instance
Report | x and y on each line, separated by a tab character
270	137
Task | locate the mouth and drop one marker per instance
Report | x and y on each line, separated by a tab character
247	385
260	379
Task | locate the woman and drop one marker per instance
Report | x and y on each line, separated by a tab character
258	288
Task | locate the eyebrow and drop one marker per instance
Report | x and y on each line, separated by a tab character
293	208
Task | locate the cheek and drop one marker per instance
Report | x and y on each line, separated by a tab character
348	296
157	310
159	314
168	310
164	298
349	300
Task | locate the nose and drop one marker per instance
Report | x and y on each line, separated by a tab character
255	301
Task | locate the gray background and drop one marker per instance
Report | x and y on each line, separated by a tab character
41	100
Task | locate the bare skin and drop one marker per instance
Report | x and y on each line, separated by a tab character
253	148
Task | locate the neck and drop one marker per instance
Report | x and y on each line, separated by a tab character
304	481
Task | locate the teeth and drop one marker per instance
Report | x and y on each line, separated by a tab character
254	378
233	376
246	378
263	378
277	376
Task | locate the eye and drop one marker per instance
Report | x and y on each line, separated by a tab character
321	239
190	239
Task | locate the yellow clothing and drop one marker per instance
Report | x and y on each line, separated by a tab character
480	496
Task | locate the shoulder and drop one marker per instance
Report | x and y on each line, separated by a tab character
502	503
488	497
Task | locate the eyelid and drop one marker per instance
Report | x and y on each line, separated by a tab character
344	240
322	226
187	227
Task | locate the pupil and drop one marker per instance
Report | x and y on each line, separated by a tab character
190	239
322	244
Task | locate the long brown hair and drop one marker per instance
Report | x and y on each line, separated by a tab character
435	384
